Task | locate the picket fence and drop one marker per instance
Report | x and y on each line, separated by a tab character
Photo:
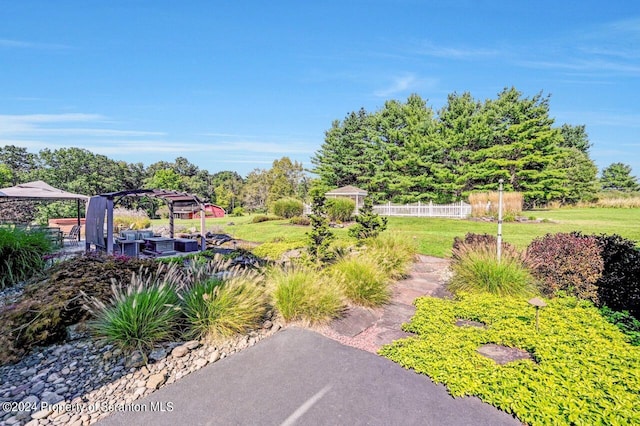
454	210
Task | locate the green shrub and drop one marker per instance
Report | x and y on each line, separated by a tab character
215	310
570	263
320	236
300	220
368	224
21	254
303	294
584	371
392	253
288	208
362	280
264	218
340	209
139	316
238	211
625	322
476	269
619	285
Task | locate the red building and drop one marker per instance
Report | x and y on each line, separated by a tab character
193	212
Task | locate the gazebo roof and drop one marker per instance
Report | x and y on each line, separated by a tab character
38	190
347	190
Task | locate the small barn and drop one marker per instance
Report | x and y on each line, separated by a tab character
349	191
190	211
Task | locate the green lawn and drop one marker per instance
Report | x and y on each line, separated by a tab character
434	236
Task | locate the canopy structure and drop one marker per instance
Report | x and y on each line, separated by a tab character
103	203
39	190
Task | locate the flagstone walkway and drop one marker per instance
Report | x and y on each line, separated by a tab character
370	329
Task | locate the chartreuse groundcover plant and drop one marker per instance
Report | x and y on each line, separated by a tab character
585	371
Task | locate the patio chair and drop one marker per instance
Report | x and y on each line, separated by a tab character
73	235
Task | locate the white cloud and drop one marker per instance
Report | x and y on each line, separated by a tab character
428	48
21	44
45	124
405	83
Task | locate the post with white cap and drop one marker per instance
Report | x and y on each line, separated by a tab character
501	181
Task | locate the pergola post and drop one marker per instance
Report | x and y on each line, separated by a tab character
203	238
170	219
109	225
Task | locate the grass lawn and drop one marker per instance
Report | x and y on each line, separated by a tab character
434	236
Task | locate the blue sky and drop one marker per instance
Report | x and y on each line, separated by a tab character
234	85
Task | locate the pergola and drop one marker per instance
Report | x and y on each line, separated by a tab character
104	203
39	190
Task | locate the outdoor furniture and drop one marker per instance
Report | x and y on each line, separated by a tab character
159	246
54	235
185	245
73	236
129	247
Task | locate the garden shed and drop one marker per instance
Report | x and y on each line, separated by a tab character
349	191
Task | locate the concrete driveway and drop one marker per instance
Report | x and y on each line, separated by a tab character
300	377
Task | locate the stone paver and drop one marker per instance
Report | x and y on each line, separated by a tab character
379	327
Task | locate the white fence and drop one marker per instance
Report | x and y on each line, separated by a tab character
459	210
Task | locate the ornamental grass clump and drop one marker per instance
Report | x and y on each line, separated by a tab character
340	209
21	255
362	279
130	219
476	269
225	305
303	294
392	253
139	315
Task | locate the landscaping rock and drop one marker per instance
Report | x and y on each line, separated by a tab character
158	354
179	351
89	372
156	380
134	360
503	354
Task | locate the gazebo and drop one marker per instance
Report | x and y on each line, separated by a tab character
349	191
102	205
39	190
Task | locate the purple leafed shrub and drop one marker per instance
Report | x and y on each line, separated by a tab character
569	263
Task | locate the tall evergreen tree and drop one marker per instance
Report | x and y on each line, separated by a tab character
575	137
617	176
339	161
320	236
522	149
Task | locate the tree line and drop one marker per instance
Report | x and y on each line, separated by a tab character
406	152
81	171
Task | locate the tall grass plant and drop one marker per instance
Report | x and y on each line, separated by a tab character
140	315
21	254
303	294
476	269
362	279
